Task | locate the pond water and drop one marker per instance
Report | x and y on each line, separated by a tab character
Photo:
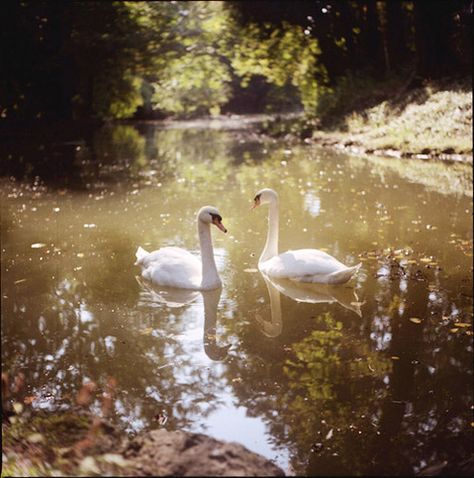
371	377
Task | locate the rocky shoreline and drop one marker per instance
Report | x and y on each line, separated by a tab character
77	443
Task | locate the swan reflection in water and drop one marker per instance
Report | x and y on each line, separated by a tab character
303	292
153	295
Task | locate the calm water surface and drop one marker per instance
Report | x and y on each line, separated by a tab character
373	377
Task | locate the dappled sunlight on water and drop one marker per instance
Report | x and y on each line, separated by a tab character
325	379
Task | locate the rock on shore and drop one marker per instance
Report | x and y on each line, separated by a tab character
178	453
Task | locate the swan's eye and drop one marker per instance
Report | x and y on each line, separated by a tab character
216	216
257	198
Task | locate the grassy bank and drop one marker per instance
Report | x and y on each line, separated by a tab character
393	118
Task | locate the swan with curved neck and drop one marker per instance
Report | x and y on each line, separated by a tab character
303	265
176	267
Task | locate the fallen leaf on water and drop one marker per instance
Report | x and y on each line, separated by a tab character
462	324
426	259
395	357
415	320
37	245
250	270
17	407
146	331
329	434
85	393
19	281
453	330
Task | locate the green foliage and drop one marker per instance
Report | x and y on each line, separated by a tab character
285	55
193	84
196	76
117	97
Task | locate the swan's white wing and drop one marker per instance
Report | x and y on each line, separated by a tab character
301	263
172	267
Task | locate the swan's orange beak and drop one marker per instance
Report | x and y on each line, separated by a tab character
217	222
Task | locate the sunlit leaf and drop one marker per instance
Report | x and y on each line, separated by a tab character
415	320
114	459
146	331
88	465
35	438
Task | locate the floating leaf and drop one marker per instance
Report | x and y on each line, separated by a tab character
146	331
250	270
329	434
453	330
29	400
37	245
462	324
395	357
19	281
18	407
426	259
415	320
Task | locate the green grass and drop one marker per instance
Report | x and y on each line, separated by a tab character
434	119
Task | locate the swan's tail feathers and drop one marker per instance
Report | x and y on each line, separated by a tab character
341	277
140	254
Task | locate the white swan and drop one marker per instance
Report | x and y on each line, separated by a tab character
176	267
303	265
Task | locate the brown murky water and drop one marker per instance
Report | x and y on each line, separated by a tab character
374	377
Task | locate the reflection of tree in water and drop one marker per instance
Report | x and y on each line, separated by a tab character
376	398
82	338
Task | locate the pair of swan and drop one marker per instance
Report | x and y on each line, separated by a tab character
176	267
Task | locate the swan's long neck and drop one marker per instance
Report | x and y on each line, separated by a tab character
210	277
271	245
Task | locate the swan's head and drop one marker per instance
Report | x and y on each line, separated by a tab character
265	196
210	215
